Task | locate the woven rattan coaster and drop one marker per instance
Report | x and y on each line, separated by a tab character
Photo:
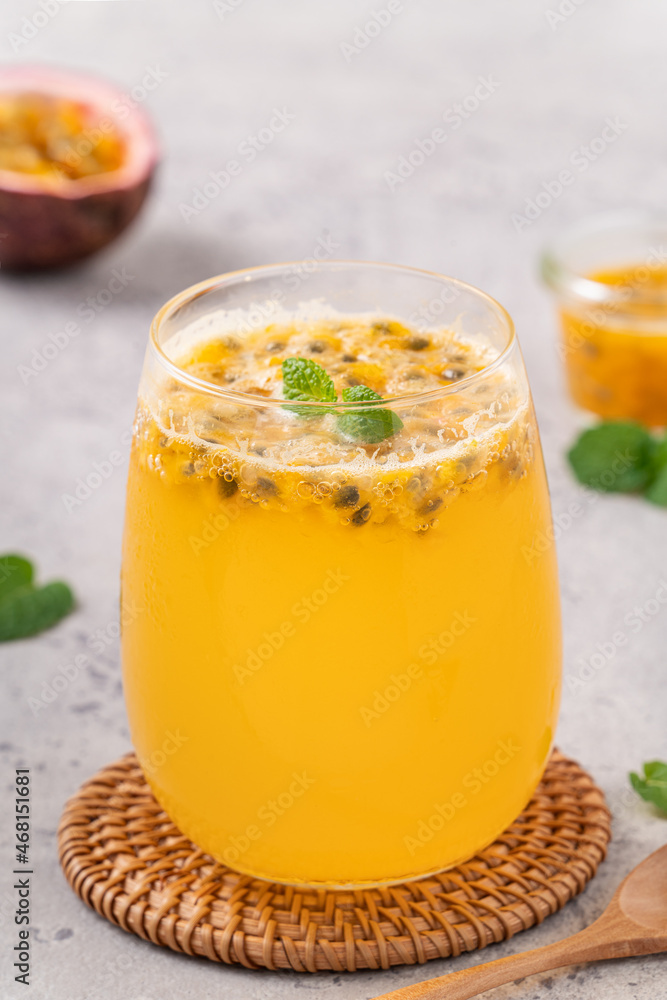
123	856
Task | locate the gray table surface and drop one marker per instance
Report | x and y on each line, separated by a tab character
222	70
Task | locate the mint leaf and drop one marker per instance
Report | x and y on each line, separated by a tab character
370	424
653	785
307	381
28	611
657	491
15	572
614	457
659	457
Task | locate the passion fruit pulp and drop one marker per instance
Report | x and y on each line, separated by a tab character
77	157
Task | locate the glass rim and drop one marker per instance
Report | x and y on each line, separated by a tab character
230	277
567	281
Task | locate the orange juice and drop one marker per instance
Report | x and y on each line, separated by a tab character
345	666
616	351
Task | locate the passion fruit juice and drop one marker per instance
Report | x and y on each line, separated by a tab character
616	358
345	668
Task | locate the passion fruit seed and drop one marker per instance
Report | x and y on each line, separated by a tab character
431	505
266	487
418	343
347	496
227	487
361	516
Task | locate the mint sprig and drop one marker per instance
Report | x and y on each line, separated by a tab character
652	786
26	609
306	381
370	424
622	457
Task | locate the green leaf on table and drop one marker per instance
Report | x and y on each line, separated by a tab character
15	572
371	424
653	785
614	457
308	382
656	491
24	608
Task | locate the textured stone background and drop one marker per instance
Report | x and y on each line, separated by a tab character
223	74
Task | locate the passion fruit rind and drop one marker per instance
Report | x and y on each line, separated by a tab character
414	496
44	230
77	159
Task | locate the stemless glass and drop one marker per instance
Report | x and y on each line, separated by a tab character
344	668
609	274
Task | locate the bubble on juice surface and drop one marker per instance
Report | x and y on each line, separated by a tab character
305	489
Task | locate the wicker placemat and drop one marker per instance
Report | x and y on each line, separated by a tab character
123	856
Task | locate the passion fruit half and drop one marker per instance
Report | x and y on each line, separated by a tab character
77	157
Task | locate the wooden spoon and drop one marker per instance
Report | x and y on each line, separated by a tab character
634	923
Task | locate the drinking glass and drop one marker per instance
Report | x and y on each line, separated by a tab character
609	274
344	665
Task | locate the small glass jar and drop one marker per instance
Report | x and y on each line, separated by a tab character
609	274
